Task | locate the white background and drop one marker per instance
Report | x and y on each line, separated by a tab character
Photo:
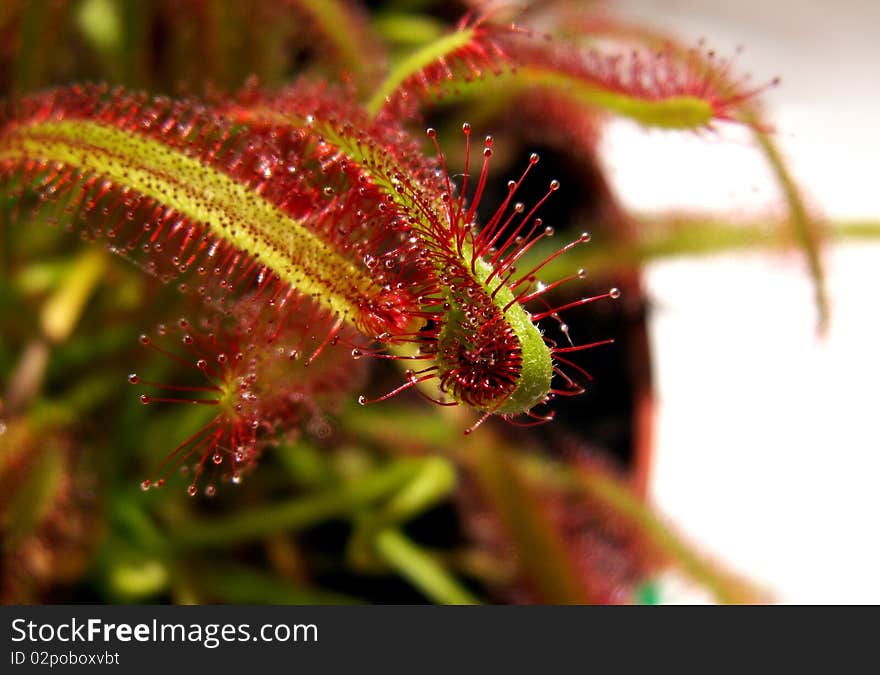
767	451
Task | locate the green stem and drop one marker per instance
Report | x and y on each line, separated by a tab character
432	481
61	312
421	569
294	515
690	238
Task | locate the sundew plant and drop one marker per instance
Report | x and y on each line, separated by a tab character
346	279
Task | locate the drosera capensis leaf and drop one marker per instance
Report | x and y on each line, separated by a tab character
212	197
679	111
654	88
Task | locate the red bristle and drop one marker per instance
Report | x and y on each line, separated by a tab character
476	425
580	348
331	334
490	234
571	364
612	294
411	382
528	296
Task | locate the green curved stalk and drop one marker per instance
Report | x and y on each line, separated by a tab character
433	480
377	542
62	310
803	225
692	237
421	569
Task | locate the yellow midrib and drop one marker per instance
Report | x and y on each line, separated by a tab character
233	212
